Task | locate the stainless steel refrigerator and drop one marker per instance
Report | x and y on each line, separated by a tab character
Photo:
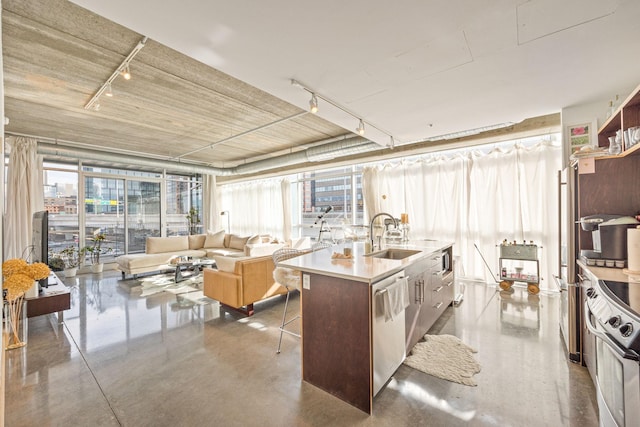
565	276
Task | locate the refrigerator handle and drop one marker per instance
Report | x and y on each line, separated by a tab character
560	283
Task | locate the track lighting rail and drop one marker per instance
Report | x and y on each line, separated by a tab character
122	68
360	130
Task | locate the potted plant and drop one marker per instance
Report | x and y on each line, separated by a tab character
193	221
70	257
96	249
55	261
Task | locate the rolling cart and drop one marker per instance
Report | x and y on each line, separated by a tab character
519	263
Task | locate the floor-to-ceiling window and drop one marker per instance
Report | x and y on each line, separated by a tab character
183	193
126	205
313	193
61	201
143	213
104	212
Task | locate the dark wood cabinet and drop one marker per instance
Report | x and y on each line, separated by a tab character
54	298
336	338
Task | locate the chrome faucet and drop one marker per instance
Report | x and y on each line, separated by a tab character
395	223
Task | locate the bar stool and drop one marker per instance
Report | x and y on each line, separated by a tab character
320	245
290	279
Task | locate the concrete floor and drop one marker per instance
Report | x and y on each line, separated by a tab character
160	361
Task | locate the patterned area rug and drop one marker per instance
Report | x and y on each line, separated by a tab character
446	357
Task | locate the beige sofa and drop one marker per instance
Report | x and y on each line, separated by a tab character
159	251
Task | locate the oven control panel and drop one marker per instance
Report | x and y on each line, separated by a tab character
613	318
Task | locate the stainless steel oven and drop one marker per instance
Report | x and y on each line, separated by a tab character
616	327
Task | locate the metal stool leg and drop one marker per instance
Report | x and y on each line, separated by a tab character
285	322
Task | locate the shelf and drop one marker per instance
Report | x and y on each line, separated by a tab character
626	116
631	151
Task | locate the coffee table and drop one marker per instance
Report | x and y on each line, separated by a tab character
193	265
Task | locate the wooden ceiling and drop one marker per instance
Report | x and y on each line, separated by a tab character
57	55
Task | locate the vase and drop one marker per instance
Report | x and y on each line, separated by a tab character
15	323
97	268
70	272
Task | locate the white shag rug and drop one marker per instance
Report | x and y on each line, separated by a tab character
446	357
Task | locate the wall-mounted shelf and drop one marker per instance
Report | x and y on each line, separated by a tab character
626	116
633	150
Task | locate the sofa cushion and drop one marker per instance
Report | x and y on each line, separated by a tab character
196	241
212	252
136	261
156	245
237	242
215	240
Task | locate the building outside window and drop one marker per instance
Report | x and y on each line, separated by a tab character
61	201
126	205
339	188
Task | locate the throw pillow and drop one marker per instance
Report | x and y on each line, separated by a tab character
215	240
196	241
237	242
254	239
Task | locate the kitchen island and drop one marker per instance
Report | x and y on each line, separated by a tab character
337	299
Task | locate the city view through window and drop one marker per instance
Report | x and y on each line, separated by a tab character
340	189
125	206
129	206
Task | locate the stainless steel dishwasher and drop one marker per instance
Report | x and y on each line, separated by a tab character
388	333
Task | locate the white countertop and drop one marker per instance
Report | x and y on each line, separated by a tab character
361	268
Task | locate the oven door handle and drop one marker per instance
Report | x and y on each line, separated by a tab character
620	351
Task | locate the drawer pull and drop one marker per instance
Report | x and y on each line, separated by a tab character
438	289
438	305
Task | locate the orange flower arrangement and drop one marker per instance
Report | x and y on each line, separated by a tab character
18	277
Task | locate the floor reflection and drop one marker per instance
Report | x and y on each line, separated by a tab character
121	359
114	315
519	311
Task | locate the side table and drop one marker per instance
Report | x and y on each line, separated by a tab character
54	298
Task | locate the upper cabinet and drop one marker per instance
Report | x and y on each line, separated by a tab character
625	118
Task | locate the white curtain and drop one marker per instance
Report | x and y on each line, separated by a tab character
24	195
286	209
255	207
210	214
474	198
24	198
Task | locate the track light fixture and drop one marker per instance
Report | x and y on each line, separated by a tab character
313	108
313	104
123	69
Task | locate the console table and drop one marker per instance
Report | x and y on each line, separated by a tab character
54	298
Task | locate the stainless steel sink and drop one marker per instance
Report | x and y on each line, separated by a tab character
392	253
